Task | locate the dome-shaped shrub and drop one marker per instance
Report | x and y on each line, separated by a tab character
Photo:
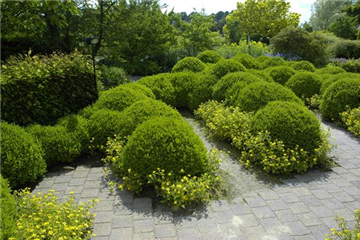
140	89
183	83
103	124
303	66
281	74
118	98
330	70
192	64
340	95
8	211
142	111
225	66
273	62
247	60
221	87
262	58
21	156
256	95
304	84
202	90
342	76
289	122
78	127
260	73
161	86
164	143
58	144
209	56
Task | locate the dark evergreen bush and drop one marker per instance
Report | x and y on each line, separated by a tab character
346	49
113	77
191	64
281	74
21	156
209	56
225	66
8	211
303	66
304	84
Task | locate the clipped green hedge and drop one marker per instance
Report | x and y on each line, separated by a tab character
346	49
8	210
330	70
256	95
303	66
164	143
225	66
281	74
140	89
41	89
142	111
289	122
183	83
333	79
21	155
247	60
191	64
273	62
338	97
304	84
209	56
202	90
264	75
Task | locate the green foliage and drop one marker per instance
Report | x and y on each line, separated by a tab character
351	118
221	88
58	144
330	70
113	77
202	90
102	125
345	231
166	143
325	84
256	49
21	156
118	98
346	49
247	60
142	111
192	64
41	216
139	88
338	97
223	67
350	66
344	27
299	43
304	84
281	74
273	62
209	56
290	123
41	89
256	95
264	75
303	66
183	83
8	210
161	86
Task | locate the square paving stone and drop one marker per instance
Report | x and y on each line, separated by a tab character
96	170
165	230
352	190
185	222
349	177
240	208
331	188
255	202
286	216
319	231
277	205
310	201
92	184
188	233
254	233
144	236
345	213
76	190
80	174
143	213
212	236
125	198
103	205
330	222
230	230
343	197
103	217
224	216
289	197
45	184
60	186
321	211
270	224
142	203
305	237
248	220
102	229
309	219
142	226
122	234
123	209
123	221
263	212
298	228
90	193
301	191
269	195
163	217
298	207
95	177
77	182
220	205
62	179
321	194
332	203
341	183
207	225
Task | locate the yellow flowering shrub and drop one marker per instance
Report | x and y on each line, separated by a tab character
351	119
345	232
42	217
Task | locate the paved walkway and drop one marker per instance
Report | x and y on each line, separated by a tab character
302	207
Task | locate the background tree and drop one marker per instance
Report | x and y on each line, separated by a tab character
344	27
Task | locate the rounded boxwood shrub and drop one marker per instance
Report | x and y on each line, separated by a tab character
342	76
303	66
78	127
281	74
256	95
103	124
142	111
289	122
118	98
139	88
21	156
330	70
260	73
192	64
221	87
273	62
8	210
262	58
164	143
58	144
338	97
161	86
209	56
225	66
112	76
183	83
247	60
304	84
202	90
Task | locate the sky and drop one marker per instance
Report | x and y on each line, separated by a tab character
213	6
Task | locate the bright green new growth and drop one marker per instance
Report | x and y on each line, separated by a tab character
273	62
209	56
142	111
256	95
191	64
140	89
225	66
8	210
281	74
303	66
247	60
289	122
261	74
330	70
335	78
21	156
304	84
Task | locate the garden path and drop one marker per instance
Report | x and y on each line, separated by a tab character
301	207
